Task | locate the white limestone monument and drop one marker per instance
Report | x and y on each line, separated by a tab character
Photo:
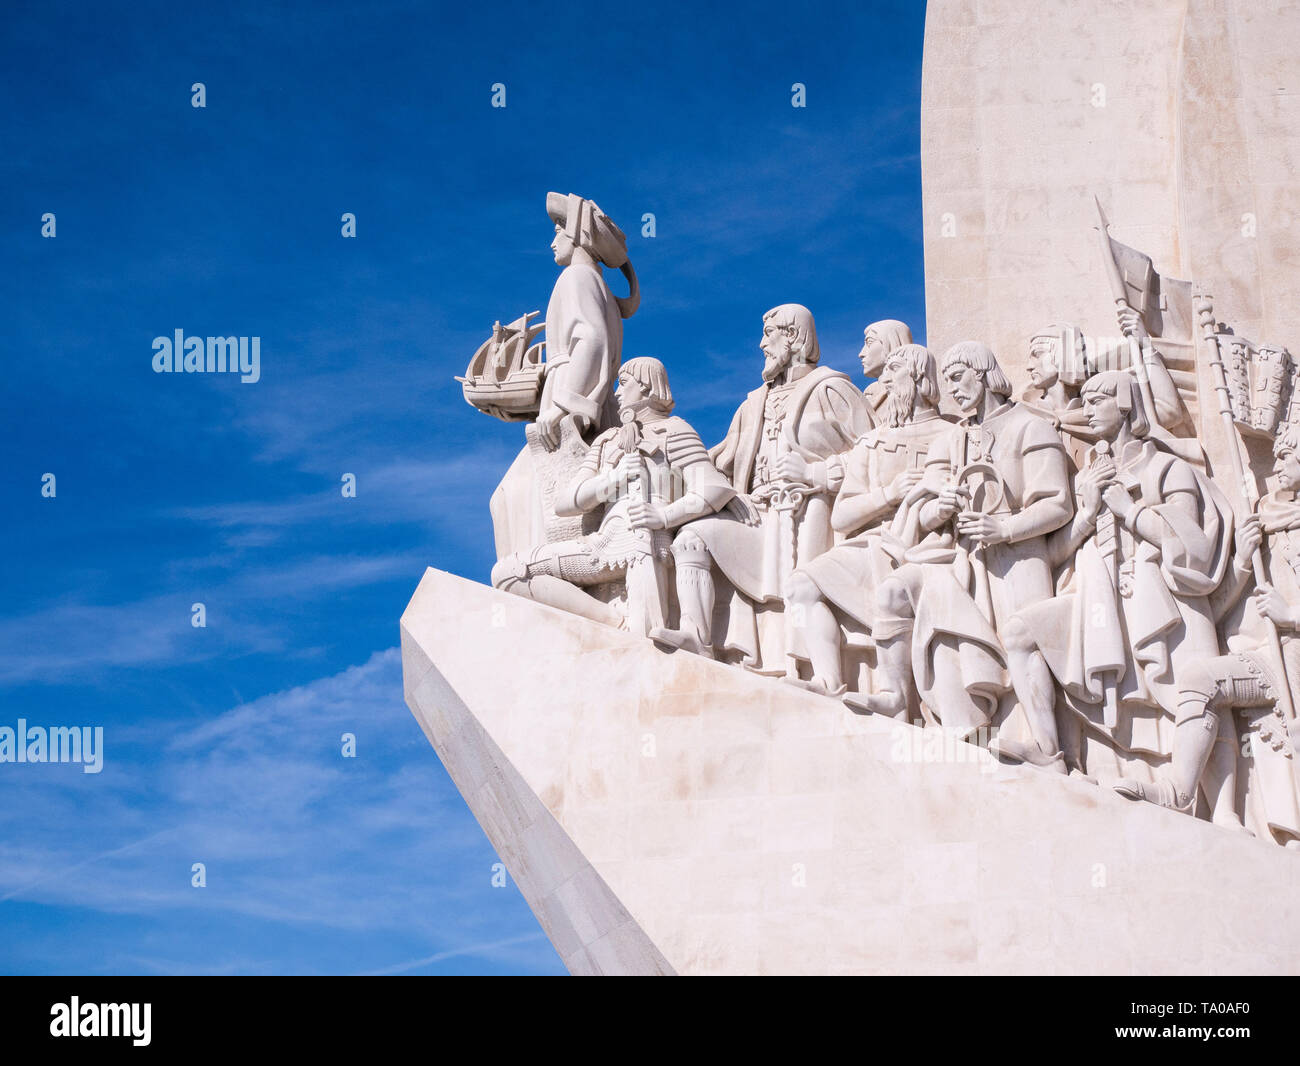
992	668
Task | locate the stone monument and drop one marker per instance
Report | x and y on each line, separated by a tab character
992	669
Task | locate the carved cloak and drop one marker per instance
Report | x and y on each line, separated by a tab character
847	574
580	377
825	415
1157	616
957	657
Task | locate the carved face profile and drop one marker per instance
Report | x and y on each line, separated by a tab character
1113	400
562	246
1044	362
1057	354
901	388
642	384
631	395
1104	415
1286	468
965	385
878	340
873	353
778	349
896	373
789	337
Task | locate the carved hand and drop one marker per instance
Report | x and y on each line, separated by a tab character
548	428
1117	499
1130	322
918	492
629	467
1249	537
1273	607
984	528
791	467
646	515
745	506
901	486
1091	482
1103	467
950	501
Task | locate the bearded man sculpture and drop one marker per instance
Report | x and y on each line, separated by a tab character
879	341
783	454
996	485
884	465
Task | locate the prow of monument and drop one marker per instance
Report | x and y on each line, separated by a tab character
986	663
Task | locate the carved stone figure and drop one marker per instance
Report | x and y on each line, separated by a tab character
1160	393
584	319
652	474
783	452
879	341
883	466
1058	367
1063	572
571	394
1250	676
996	485
1150	542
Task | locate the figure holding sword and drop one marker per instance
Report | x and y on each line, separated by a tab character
649	476
1150	543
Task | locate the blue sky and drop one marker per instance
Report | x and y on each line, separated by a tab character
222	744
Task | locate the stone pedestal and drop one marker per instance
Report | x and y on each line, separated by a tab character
667	814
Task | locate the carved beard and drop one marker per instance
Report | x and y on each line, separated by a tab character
778	367
899	402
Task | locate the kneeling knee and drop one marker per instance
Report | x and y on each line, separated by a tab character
803	589
690	550
508	570
892	600
1198	686
1017	636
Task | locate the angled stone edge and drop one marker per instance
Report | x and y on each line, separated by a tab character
665	813
584	920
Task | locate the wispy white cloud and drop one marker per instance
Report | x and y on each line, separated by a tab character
290	831
470	949
401	490
77	641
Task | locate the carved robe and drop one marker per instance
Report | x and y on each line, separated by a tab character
958	595
847	574
580	378
1272	798
818	416
1070	421
1133	611
1036	500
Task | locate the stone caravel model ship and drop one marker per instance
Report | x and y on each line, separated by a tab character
1060	590
504	379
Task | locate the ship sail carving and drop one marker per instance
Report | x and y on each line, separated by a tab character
504	378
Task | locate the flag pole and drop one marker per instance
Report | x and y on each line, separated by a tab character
1120	292
1204	307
